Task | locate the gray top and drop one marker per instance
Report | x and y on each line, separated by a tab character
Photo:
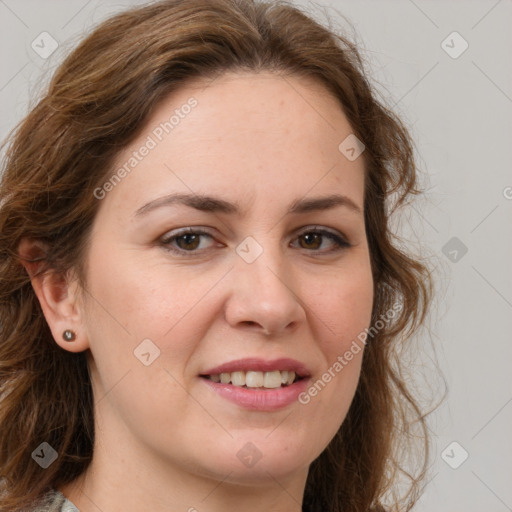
55	501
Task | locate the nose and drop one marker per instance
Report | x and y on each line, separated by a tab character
264	296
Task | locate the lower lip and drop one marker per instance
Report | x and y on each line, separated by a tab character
259	399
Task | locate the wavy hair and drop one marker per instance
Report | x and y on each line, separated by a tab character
95	105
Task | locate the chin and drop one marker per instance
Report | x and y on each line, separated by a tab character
257	457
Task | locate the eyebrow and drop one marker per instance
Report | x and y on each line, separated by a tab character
211	204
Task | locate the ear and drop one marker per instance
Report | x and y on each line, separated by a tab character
58	295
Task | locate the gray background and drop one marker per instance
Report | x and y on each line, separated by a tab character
459	112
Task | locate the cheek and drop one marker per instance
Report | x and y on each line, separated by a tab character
137	298
343	314
341	311
343	307
142	296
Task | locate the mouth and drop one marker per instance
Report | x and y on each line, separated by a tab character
254	379
257	384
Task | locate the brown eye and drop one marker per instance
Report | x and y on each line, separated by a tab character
189	241
314	239
311	240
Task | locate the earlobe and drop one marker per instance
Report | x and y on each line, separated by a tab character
58	297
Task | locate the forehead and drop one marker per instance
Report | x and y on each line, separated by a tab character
242	133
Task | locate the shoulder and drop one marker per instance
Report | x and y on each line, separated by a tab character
53	501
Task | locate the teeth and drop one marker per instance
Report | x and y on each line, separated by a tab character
252	379
272	380
238	378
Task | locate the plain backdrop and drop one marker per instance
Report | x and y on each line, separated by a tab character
445	67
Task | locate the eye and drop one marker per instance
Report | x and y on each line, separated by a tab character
314	239
192	241
187	240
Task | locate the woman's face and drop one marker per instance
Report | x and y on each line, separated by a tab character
233	243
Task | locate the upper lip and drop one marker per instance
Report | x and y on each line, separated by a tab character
259	365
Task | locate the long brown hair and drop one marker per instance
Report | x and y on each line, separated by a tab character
62	151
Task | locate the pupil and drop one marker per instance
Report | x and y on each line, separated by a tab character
311	238
189	240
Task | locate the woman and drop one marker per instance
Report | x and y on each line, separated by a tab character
201	299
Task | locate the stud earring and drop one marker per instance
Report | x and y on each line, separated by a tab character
69	335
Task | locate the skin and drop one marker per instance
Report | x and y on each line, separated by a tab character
164	439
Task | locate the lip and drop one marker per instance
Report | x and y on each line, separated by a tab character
259	365
264	400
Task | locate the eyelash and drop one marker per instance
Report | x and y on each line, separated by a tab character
166	241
